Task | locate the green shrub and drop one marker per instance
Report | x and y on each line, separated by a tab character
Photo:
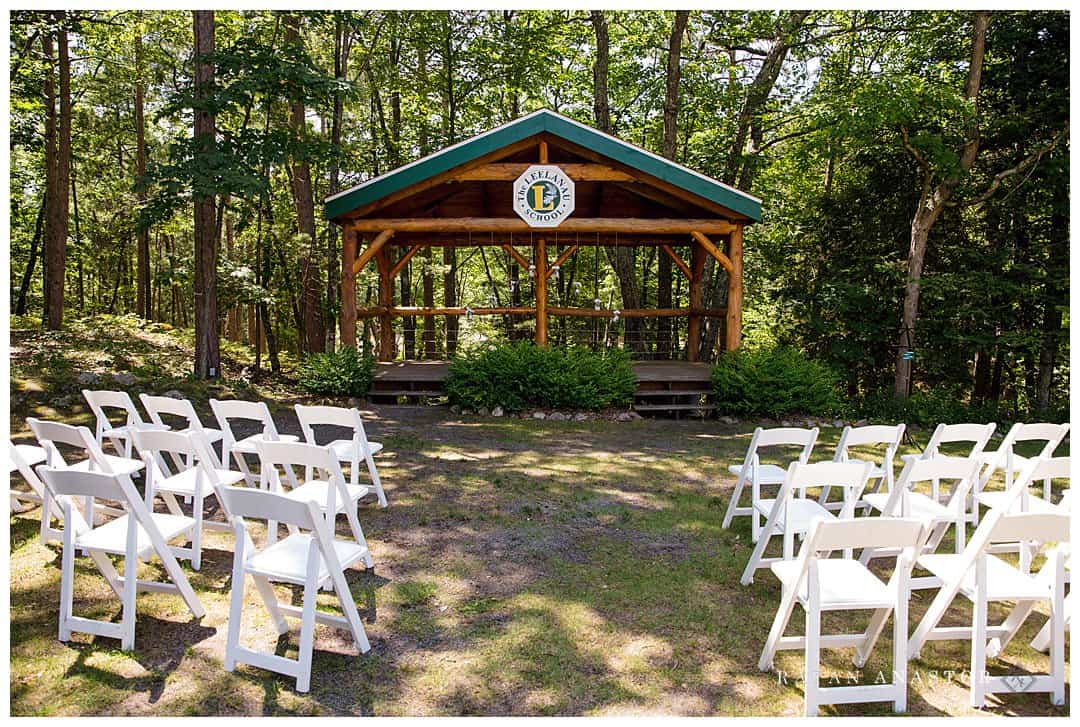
774	382
938	405
341	373
516	376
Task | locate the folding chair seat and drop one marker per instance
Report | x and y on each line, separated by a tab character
758	474
310	557
819	584
880	472
977	435
354	450
254	411
983	578
324	485
158	406
789	515
118	435
79	442
137	535
905	501
21	459
199	478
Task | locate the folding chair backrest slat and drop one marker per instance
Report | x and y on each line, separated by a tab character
818	474
157	405
72	483
786	436
248	410
333	416
298	453
101	400
1054	468
874	434
938	468
49	434
245	502
1050	433
841	534
1042	527
977	434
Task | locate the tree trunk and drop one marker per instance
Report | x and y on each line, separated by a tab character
207	356
1053	302
670	145
142	249
28	274
601	106
342	46
314	336
58	195
931	204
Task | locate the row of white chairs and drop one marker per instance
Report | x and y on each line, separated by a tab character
75	492
909	527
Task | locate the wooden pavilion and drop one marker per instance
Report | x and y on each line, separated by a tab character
541	176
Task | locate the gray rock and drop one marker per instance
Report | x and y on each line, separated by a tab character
838	423
455	409
483	411
89	378
63	401
539	415
785	423
173	394
558	417
625	416
356	402
497	411
581	417
123	378
861	423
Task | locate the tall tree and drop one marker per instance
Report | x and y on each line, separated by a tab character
207	355
143	305
314	335
670	146
58	196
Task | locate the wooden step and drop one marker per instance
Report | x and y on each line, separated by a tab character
405	392
674	407
674	392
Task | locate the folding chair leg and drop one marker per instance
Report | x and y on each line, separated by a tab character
348	607
196	534
176	573
1057	630
779	625
67	582
307	632
377	481
236	615
734	503
900	655
763	541
127	612
269	599
813	655
978	638
1010	626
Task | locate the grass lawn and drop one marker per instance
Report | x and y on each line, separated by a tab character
523	567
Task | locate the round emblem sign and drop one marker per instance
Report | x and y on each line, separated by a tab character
544	195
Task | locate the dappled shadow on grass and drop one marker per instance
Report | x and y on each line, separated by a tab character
528	568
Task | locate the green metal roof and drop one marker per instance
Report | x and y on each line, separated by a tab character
531	125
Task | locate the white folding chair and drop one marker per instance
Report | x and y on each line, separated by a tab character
789	515
324	484
81	443
765	474
358	448
118	435
21	459
309	559
883	472
138	535
1019	498
983	578
158	406
1006	459
819	583
252	411
905	501
198	478
977	435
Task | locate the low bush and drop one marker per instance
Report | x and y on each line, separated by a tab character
340	373
774	382
519	375
940	405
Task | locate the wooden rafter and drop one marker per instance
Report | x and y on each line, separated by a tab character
369	252
400	264
508	172
623	225
679	262
713	250
562	258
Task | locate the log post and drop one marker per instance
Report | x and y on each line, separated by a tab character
733	339
541	293
386	301
693	326
348	287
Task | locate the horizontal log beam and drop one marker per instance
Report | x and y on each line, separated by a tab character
679	262
628	313
621	225
713	250
502	239
508	172
419	311
459	311
400	264
381	239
